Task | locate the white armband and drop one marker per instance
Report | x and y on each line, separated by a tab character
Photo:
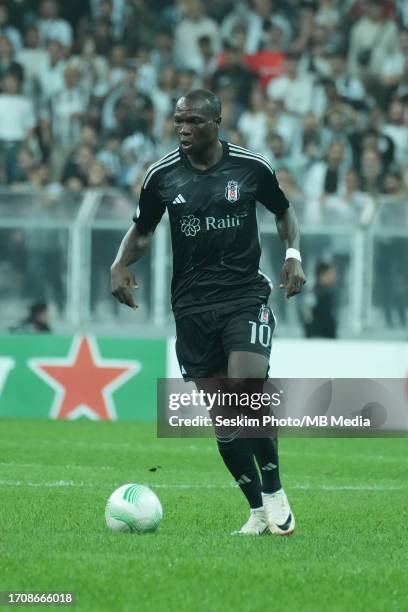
293	254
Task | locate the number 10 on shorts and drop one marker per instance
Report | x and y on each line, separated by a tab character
260	332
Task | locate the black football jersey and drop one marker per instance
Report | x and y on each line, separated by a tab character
214	230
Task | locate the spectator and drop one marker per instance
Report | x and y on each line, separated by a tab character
350	204
394	186
113	11
290	187
102	35
296	91
141	25
374	38
281	122
231	110
25	164
117	71
328	14
89	136
349	87
238	38
53	27
372	139
111	158
146	73
304	30
167	139
320	317
252	124
127	109
207	62
396	127
162	54
17	123
137	151
98	176
235	27
371	172
38	320
259	20
51	72
7	29
75	172
276	152
308	147
325	178
186	81
315	57
395	67
268	63
39	180
337	124
7	63
63	117
192	27
33	58
393	209
164	97
235	73
94	68
47	248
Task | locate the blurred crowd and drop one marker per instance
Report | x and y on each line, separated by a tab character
318	86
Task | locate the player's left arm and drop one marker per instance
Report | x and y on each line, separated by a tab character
270	194
292	275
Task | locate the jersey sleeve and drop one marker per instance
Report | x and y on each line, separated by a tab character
151	207
268	190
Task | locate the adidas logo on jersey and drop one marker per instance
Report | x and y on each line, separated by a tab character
179	199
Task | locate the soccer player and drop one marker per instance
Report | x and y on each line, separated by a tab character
219	296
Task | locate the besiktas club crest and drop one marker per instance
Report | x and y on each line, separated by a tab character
232	191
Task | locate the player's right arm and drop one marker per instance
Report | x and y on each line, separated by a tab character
132	248
135	243
272	197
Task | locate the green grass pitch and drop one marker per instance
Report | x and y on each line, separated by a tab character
349	551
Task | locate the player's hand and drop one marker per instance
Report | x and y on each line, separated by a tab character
122	283
292	277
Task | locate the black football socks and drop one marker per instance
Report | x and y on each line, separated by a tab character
266	453
238	457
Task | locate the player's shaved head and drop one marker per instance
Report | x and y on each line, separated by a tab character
208	101
197	119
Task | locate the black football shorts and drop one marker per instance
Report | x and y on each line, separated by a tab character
205	339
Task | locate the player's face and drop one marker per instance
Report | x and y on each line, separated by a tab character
196	128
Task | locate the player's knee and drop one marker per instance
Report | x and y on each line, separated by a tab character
243	366
244	385
231	445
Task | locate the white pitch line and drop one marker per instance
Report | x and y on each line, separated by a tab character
295	487
71	483
45	485
55	465
212	449
360	457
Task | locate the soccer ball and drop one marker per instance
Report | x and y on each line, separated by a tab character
133	508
